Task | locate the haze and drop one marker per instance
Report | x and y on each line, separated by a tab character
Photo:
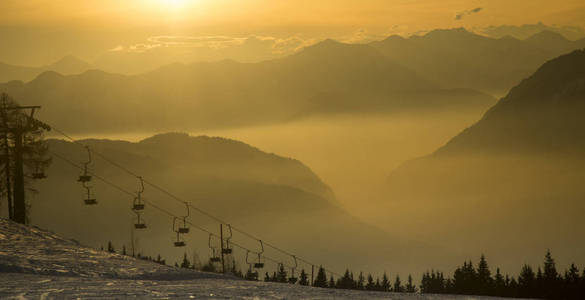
373	135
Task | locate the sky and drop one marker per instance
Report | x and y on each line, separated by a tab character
90	28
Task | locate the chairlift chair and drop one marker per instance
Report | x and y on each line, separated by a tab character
89	200
184	229
138	204
38	172
260	264
139	224
39	175
292	279
228	249
179	242
85	177
248	262
214	257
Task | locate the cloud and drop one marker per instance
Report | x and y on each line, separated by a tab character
461	15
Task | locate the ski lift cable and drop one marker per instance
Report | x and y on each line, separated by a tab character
120	189
171	195
268	258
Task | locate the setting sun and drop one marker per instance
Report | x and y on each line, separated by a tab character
174	3
358	147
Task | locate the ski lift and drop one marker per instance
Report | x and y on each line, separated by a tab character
185	229
248	262
138	203
89	200
179	242
214	257
138	224
228	249
292	279
260	264
86	177
38	173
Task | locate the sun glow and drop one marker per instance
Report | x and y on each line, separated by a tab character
175	3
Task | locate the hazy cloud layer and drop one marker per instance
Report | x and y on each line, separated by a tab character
461	15
527	30
267	44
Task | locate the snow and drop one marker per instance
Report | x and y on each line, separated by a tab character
36	264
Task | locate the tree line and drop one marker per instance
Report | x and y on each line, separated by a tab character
545	283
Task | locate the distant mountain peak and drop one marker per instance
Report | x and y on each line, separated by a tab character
547	36
325	44
70	64
544	113
450	32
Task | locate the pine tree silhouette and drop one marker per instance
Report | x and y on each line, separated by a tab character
360	284
484	279
303	278
550	276
398	288
346	282
110	247
281	276
526	282
331	283
410	287
385	285
186	264
321	280
370	285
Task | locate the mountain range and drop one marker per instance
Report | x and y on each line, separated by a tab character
329	77
459	58
511	184
66	66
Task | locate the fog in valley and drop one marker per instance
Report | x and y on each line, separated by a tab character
399	148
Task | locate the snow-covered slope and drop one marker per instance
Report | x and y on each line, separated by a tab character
36	264
26	249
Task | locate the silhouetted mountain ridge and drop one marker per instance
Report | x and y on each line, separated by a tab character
459	58
329	77
514	178
543	113
67	65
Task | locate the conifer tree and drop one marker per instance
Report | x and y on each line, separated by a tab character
385	285
360	285
111	247
303	278
410	287
370	285
321	280
398	288
484	279
346	282
281	276
499	284
331	282
527	277
377	285
549	277
572	282
186	264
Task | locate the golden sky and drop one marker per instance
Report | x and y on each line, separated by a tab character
231	15
106	24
